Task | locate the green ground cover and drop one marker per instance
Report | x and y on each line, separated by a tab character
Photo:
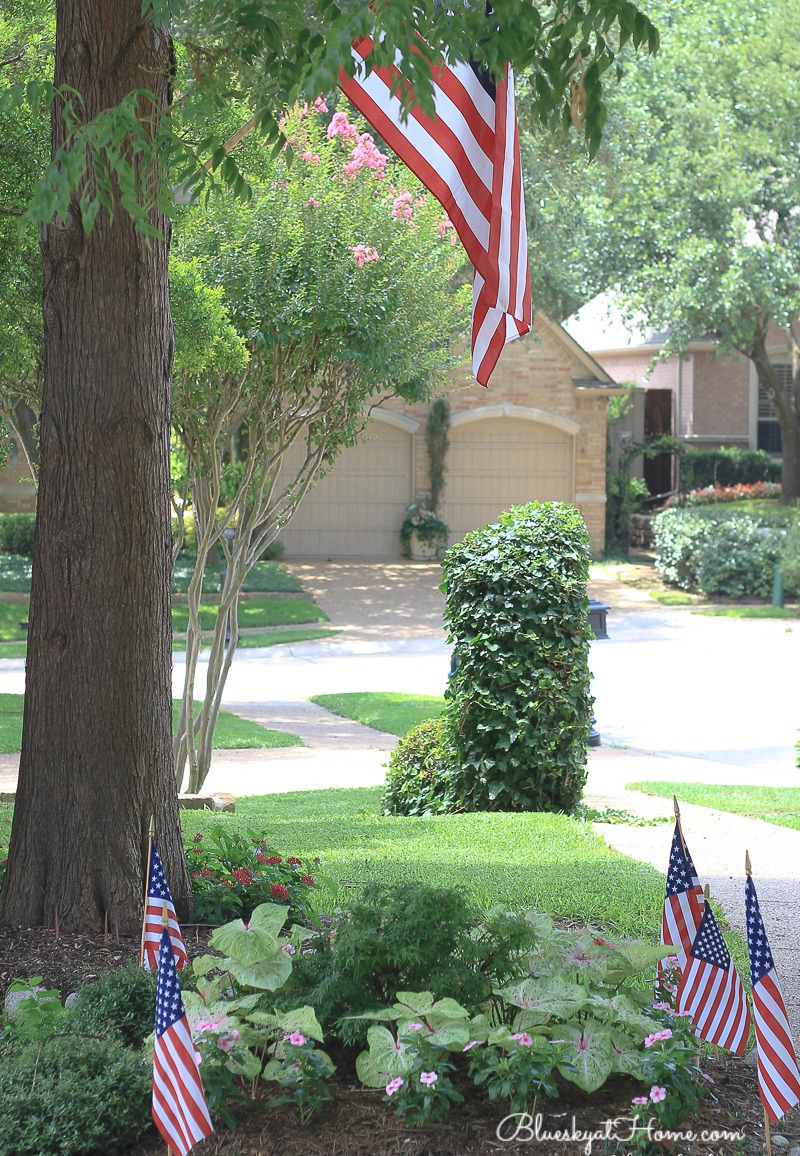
673	597
232	732
255	612
549	862
779	805
387	711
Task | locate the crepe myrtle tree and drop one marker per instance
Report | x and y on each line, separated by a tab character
97	758
338	278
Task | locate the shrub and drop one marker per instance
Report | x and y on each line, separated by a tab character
401	939
518	707
420	779
16	533
727	467
790	563
728	555
120	1002
72	1095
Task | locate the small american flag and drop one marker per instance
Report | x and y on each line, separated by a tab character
778	1074
468	157
683	903
180	1110
711	991
158	895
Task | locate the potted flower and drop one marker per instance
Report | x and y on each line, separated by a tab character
423	534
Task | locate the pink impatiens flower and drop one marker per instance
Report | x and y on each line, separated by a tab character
640	1101
296	1038
471	1044
522	1038
415	1027
428	1078
394	1085
657	1094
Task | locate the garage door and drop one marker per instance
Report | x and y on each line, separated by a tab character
500	462
357	509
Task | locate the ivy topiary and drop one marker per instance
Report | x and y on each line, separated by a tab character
518	708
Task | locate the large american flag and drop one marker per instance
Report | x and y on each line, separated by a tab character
683	902
778	1074
158	894
711	991
468	157
180	1110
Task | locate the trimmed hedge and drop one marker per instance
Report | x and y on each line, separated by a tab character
72	1095
517	710
727	554
727	467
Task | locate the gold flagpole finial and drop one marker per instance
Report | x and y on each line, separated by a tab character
165	917
152	827
676	808
748	870
706	892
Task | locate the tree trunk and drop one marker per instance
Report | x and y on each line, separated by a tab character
96	749
786	400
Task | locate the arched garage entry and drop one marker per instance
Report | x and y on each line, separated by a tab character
357	508
506	455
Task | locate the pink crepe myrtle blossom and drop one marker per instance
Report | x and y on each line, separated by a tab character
428	1078
312	158
363	254
394	1085
366	154
341	126
312	203
657	1094
403	207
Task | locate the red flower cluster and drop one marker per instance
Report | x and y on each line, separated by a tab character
307	879
241	876
280	890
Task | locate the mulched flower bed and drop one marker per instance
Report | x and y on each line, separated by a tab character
359	1123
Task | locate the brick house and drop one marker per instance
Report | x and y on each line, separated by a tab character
706	400
537	432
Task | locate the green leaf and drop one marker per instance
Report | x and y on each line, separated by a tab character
254	941
385	1059
588	1058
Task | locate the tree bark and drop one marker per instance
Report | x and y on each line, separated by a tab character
96	750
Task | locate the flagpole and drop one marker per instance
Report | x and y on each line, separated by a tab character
678	822
164	927
748	869
150	833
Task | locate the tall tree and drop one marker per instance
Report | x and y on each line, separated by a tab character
692	207
96	753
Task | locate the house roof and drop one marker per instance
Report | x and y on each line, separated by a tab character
595	376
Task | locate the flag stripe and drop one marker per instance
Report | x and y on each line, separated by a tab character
467	155
711	991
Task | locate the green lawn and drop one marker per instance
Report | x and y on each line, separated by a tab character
750	612
544	861
253	638
266	577
255	612
383	710
779	805
232	732
672	597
